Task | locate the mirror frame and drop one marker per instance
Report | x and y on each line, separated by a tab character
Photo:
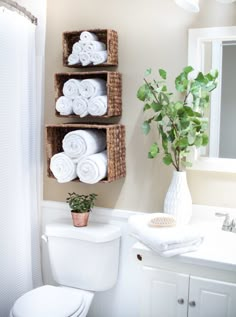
196	38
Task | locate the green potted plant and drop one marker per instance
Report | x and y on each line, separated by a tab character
181	124
80	206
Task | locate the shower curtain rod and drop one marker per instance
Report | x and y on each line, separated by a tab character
16	7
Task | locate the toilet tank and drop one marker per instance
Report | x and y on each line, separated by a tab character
84	257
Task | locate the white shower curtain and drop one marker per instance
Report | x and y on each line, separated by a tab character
19	160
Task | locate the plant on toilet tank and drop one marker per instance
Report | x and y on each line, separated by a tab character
80	206
181	124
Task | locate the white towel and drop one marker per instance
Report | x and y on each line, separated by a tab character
64	106
167	241
85	58
93	87
71	88
93	168
94	46
97	106
88	36
80	106
78	47
63	168
73	59
98	57
84	142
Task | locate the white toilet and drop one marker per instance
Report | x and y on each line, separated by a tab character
83	261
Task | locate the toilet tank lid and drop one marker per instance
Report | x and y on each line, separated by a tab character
94	232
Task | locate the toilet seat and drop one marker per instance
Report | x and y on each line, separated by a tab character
48	301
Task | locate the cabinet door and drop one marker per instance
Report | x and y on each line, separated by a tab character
210	298
163	293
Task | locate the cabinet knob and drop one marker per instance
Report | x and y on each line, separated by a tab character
180	301
192	303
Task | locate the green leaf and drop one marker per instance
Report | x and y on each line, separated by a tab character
205	139
198	141
188	69
183	143
167	159
154	150
162	73
146	127
148	72
186	163
143	92
146	107
156	106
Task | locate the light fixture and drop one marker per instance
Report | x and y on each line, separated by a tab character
190	5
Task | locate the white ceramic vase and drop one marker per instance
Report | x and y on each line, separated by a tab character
178	201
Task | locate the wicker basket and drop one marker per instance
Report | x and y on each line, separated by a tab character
115	140
114	90
108	37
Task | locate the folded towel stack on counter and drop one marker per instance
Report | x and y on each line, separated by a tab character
88	50
83	97
84	156
166	241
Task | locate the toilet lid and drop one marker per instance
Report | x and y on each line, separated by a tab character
49	301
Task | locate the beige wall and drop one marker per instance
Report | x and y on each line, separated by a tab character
152	33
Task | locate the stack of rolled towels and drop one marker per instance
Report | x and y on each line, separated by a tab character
88	50
159	232
83	97
84	156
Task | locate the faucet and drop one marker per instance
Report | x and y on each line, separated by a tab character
228	224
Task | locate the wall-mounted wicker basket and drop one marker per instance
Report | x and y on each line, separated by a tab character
114	90
108	37
115	140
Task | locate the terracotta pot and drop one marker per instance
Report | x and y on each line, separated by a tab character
80	219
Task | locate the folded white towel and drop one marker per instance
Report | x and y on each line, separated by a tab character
93	87
167	241
63	168
98	57
93	168
88	36
94	46
73	59
64	106
80	106
84	142
71	88
85	58
97	106
78	47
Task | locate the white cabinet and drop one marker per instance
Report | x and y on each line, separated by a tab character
172	294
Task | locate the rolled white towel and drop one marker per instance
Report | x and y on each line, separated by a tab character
80	106
94	46
73	59
88	36
84	142
63	168
71	88
97	106
85	58
98	57
93	168
64	106
78	47
92	87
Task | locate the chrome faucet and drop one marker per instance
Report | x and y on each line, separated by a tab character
228	224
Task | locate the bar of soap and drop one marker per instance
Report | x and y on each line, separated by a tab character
163	220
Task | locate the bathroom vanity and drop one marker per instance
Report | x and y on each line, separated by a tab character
200	283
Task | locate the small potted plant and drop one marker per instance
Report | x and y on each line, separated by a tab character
80	206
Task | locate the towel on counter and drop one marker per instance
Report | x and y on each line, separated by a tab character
97	106
78	47
80	143
93	46
64	106
88	36
167	241
93	168
71	88
80	106
92	87
73	59
85	58
63	168
98	57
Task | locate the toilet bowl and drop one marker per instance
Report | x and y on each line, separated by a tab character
83	261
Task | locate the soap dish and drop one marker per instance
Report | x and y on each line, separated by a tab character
162	220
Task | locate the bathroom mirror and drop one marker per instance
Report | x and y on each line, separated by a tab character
215	48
